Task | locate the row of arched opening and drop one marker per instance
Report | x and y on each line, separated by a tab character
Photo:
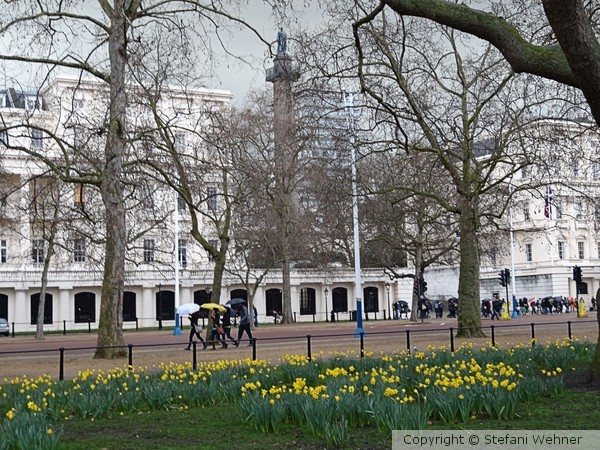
85	303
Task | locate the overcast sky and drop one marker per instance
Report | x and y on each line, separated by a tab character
238	77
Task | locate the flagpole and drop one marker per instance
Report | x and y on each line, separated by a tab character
548	213
349	105
177	329
512	255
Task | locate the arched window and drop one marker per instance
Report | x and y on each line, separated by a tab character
129	307
273	301
85	307
165	305
339	299
308	304
371	295
239	293
35	304
4	306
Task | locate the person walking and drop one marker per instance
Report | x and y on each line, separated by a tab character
218	332
227	326
255	314
244	324
496	309
195	329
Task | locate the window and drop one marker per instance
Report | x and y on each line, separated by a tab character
183	253
526	216
79	248
148	250
339	299
37	138
598	246
371	296
580	249
578	211
558	209
147	197
32	102
561	250
3	251
85	307
575	167
213	243
78	137
524	172
78	103
528	253
273	301
35	304
37	251
179	141
595	170
181	204
129	309
3	137
78	196
211	198
307	301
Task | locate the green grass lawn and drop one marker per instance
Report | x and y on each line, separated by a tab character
222	427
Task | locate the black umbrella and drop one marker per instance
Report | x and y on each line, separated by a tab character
236	301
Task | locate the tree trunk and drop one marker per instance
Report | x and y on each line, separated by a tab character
39	330
415	314
110	327
595	365
469	316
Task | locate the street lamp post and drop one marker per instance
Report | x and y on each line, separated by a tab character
326	309
387	288
159	306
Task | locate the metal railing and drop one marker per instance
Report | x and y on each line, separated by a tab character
310	338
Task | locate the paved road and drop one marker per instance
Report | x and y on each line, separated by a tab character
23	355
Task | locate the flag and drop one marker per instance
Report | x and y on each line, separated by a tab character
548	202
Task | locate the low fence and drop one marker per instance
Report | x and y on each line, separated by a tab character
134	324
559	329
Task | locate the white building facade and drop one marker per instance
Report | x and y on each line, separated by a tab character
555	223
552	233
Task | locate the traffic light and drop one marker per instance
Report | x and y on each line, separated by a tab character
577	274
502	276
507	276
423	285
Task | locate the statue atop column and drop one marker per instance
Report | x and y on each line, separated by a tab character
281	41
282	63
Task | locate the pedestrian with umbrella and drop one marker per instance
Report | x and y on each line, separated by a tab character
215	331
196	328
227	326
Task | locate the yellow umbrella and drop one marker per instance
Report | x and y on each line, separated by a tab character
212	306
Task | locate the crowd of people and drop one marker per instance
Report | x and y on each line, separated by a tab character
546	305
492	309
427	308
219	324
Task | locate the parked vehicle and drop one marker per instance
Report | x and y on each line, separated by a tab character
4	328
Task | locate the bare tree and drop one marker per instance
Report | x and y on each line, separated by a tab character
573	25
52	33
400	222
